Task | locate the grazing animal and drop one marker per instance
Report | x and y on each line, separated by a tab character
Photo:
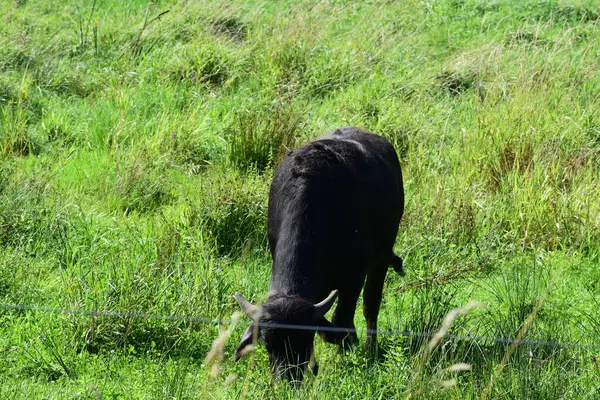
334	209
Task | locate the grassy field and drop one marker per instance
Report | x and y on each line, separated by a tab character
137	144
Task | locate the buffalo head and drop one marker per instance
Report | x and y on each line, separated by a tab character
286	325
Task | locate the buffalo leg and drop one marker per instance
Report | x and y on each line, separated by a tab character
372	301
343	317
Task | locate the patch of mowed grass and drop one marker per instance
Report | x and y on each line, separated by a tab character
137	152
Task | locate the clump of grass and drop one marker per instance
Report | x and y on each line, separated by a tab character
141	185
177	254
233	214
52	357
260	136
6	93
58	127
13	129
443	278
65	80
516	291
464	226
514	156
184	32
85	30
192	150
20	109
428	375
174	381
291	63
330	73
6	172
231	26
456	82
17	136
399	134
594	133
576	13
525	36
429	306
27	221
143	42
370	111
213	70
570	165
14	231
15	58
211	66
467	70
8	276
487	7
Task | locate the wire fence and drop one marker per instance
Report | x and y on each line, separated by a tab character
211	321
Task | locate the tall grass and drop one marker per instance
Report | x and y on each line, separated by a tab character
137	145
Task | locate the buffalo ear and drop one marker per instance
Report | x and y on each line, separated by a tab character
248	339
322	307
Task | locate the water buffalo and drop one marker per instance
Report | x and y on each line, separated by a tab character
334	209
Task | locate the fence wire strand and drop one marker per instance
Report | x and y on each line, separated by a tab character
211	321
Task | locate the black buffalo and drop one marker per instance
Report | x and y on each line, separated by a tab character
334	209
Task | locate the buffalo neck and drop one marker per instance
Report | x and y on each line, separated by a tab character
298	259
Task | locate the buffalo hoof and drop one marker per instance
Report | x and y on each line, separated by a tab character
371	346
348	342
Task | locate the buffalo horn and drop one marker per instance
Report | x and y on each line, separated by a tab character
249	309
324	306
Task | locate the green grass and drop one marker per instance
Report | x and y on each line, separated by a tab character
137	147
